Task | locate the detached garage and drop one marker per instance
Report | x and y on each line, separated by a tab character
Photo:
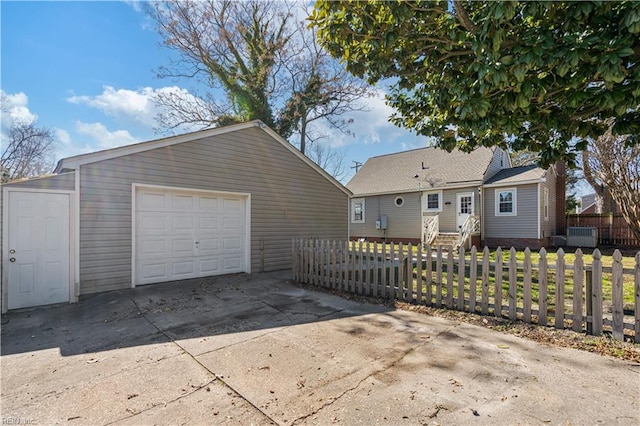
218	201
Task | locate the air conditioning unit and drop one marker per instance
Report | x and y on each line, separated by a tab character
582	236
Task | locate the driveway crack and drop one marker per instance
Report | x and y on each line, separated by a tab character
216	378
357	385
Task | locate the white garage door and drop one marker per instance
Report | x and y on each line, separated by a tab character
188	234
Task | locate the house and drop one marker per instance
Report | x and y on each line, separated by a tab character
432	196
587	204
217	201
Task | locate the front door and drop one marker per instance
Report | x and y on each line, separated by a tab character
464	208
37	258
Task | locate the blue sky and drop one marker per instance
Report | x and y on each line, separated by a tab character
87	70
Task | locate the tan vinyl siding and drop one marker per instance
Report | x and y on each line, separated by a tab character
402	222
63	181
548	228
524	225
288	199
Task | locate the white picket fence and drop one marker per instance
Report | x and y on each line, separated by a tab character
570	295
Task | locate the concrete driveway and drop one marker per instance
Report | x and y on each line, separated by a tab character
253	349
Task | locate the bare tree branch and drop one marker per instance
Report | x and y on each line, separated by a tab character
613	170
27	151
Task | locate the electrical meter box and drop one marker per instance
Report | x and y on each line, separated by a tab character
382	223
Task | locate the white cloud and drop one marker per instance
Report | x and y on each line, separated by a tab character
103	137
14	109
135	4
368	127
62	136
138	105
122	103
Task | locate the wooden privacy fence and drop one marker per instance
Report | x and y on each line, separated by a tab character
612	228
565	295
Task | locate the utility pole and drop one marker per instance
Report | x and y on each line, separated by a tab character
356	165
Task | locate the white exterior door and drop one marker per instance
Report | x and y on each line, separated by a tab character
464	207
38	254
186	234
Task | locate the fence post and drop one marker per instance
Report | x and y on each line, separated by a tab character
485	281
497	298
360	265
368	270
376	270
408	295
559	314
578	271
526	291
616	297
596	293
543	279
588	297
473	279
419	281
344	284
383	272
449	299
439	278
513	284
637	297
429	280
461	274
400	280
392	272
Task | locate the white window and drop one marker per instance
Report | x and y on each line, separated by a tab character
357	210
506	202
399	201
545	205
433	201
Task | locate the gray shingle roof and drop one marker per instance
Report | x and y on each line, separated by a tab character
516	174
403	171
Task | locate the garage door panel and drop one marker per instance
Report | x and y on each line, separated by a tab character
150	247
232	264
182	247
153	272
203	235
207	223
183	202
152	200
208	245
209	266
150	222
182	223
182	269
208	204
232	224
232	244
234	205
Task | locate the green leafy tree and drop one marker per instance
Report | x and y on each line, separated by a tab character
264	60
536	75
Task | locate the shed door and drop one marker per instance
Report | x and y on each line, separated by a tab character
188	234
38	255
